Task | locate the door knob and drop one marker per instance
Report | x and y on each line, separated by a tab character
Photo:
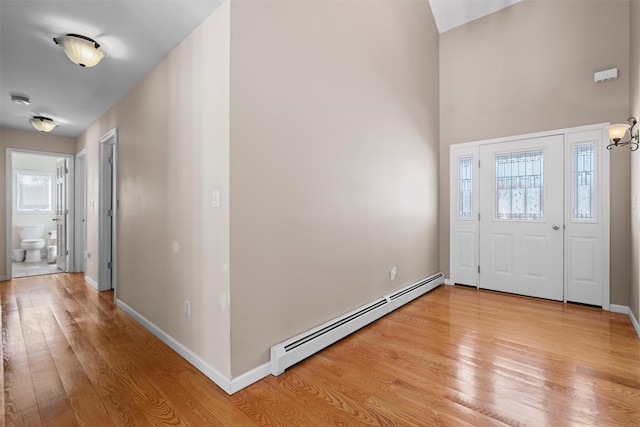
556	227
54	219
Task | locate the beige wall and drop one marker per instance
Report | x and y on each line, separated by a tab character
173	152
530	68
36	141
334	160
634	72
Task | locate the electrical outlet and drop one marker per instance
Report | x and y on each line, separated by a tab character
393	272
187	308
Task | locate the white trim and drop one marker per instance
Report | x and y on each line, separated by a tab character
110	138
8	211
91	282
230	386
634	322
623	309
248	378
3	278
448	282
79	209
615	308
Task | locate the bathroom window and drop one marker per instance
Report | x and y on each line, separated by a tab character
34	191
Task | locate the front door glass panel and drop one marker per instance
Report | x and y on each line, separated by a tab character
520	186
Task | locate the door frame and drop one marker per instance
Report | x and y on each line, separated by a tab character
80	211
107	244
9	202
473	149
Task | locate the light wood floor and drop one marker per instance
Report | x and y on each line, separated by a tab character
453	357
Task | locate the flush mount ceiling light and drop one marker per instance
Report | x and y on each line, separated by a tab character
81	50
618	131
43	124
21	100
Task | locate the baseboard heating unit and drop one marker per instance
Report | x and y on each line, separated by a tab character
295	349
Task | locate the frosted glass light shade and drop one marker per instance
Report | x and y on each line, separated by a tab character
81	50
617	131
43	124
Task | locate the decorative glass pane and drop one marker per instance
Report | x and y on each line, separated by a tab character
520	185
466	186
584	182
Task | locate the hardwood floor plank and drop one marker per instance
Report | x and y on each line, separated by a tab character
110	387
87	406
267	407
21	405
456	357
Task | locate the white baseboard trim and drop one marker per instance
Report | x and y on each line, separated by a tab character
230	386
248	378
90	281
615	308
634	322
448	282
214	375
3	278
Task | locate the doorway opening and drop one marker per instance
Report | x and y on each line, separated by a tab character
40	187
107	201
529	215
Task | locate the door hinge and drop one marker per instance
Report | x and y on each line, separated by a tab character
478	216
110	212
478	268
67	252
109	265
110	160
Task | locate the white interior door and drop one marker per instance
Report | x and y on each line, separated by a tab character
521	217
62	173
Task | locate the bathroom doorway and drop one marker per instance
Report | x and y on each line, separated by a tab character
36	205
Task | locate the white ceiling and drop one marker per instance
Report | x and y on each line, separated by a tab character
136	35
449	14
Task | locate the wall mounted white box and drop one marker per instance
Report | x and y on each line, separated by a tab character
602	76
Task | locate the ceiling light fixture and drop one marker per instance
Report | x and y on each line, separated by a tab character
43	124
81	50
22	100
617	131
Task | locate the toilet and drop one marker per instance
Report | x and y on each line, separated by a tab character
31	241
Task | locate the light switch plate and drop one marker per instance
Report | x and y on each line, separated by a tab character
216	199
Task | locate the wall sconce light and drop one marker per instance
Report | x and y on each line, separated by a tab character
81	50
43	124
618	131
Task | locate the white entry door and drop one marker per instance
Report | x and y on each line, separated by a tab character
521	217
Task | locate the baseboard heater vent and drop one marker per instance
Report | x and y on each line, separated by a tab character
301	346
